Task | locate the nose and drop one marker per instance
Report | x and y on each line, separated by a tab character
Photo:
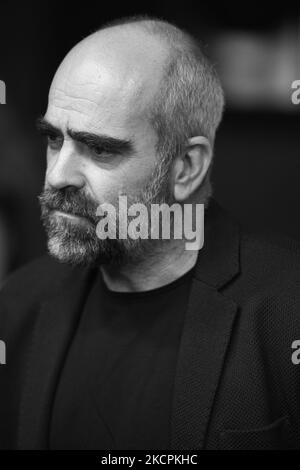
64	167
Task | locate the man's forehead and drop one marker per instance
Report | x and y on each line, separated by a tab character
89	98
82	109
108	67
87	80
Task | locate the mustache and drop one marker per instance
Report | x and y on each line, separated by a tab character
70	200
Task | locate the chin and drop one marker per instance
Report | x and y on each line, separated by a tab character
72	253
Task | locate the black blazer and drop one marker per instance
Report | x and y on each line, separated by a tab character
236	386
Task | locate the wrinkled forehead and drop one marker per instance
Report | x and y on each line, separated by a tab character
107	81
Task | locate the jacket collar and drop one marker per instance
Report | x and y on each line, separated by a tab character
205	338
218	261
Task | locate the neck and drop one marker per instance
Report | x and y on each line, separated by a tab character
163	267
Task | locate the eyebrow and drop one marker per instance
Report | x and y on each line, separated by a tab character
46	128
103	142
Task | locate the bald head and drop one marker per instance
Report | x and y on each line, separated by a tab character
117	69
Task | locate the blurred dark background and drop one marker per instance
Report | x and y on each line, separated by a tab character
257	52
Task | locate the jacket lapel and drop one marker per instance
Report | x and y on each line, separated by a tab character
209	320
205	338
55	325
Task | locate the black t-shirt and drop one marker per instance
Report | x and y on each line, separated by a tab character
116	386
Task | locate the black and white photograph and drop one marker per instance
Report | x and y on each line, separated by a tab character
149	229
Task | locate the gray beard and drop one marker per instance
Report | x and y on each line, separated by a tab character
78	244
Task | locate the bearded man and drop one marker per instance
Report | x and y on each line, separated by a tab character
139	343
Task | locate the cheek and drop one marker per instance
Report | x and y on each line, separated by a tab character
105	186
102	185
134	178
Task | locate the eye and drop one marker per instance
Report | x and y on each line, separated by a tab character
99	152
54	141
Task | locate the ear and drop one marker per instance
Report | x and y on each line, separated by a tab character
191	166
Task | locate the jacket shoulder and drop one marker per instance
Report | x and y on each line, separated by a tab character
270	256
25	289
35	278
269	279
